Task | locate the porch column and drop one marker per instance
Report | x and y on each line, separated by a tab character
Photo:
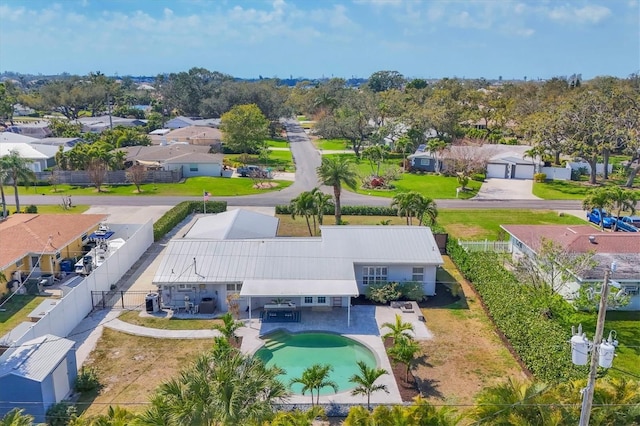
249	310
349	311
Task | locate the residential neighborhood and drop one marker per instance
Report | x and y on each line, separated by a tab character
288	212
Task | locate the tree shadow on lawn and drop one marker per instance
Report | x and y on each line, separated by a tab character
428	388
449	294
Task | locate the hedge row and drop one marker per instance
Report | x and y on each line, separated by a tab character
531	320
177	214
349	210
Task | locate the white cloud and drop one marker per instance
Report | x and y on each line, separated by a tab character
589	14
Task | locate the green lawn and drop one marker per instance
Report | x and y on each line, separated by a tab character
278	160
133	317
16	309
192	187
574	190
52	209
627	327
480	224
302	118
332	144
277	143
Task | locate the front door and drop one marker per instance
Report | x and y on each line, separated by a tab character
35	263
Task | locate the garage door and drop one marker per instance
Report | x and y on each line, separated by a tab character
496	170
524	171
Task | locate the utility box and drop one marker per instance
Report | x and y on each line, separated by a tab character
152	302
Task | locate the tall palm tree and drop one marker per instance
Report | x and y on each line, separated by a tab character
321	202
622	200
398	330
597	198
402	202
17	170
334	172
315	378
4	175
228	389
304	205
425	206
16	417
365	381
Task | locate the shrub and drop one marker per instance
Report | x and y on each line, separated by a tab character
31	209
178	213
532	321
383	292
478	177
412	290
540	177
61	414
87	380
348	210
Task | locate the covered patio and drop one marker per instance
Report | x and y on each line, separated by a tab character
284	299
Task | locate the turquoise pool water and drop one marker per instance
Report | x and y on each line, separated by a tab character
295	352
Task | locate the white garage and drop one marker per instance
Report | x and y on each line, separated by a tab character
510	168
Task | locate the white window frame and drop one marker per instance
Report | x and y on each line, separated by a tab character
233	288
325	302
417	274
374	274
304	300
631	290
184	287
193	167
19	263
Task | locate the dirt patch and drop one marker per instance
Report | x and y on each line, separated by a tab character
468	232
266	185
407	385
466	355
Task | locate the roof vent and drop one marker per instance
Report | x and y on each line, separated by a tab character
592	239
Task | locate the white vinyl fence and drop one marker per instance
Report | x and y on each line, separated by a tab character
486	245
76	304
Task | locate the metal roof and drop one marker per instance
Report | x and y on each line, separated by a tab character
293	288
36	358
330	257
233	225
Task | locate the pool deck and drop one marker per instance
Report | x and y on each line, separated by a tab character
366	322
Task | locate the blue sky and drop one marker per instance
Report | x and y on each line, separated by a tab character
315	38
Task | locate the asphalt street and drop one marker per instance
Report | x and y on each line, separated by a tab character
307	158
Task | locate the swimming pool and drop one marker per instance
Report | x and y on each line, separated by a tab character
296	352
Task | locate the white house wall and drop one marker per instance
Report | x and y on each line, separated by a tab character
401	273
203	170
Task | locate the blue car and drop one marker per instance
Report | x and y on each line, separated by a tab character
607	219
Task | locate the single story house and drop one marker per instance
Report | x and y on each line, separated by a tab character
37	374
510	167
36	129
40	156
102	123
621	247
40	241
194	135
65	142
327	271
192	160
181	121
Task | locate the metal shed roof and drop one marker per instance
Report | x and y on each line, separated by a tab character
234	224
36	358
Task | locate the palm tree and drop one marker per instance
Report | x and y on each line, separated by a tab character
404	351
599	199
622	200
229	388
398	330
16	418
298	417
304	205
402	202
335	171
116	416
17	170
412	203
315	378
511	402
365	381
425	206
228	327
321	202
4	175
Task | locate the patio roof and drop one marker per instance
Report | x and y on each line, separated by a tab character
271	288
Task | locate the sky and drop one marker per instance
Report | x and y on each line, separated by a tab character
533	39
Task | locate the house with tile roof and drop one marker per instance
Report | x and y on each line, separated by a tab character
191	160
39	242
608	247
209	263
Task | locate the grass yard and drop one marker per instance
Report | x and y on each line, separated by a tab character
465	354
627	327
278	160
51	209
332	144
131	367
574	190
277	143
133	317
16	309
468	224
192	187
297	227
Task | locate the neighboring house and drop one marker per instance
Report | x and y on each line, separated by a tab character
22	110
192	160
40	156
37	374
194	135
502	161
621	247
65	142
12	137
40	241
37	129
238	252
181	121
102	123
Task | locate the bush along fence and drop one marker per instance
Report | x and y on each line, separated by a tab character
349	210
177	214
532	320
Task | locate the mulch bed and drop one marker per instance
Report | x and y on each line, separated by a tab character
408	389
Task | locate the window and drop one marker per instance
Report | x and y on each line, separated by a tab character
84	236
322	300
374	274
418	275
234	287
425	161
631	290
35	261
19	263
193	167
184	287
57	255
308	300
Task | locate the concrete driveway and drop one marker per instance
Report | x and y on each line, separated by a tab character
506	189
